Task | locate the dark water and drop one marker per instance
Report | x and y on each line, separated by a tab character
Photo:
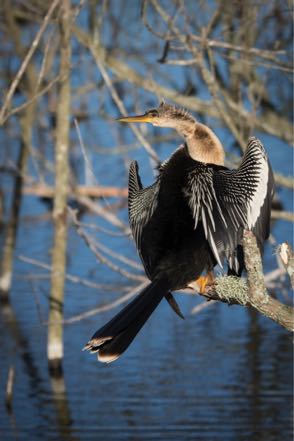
224	374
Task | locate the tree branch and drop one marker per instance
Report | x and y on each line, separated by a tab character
253	293
258	297
269	122
26	61
42	190
286	255
234	291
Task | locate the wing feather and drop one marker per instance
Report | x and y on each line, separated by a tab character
141	202
228	201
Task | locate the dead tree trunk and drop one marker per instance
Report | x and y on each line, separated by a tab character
55	329
26	124
11	229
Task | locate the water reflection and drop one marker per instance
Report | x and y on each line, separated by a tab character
59	398
61	405
224	374
208	377
21	346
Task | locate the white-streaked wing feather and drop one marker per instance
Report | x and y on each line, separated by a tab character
141	202
231	200
203	203
255	203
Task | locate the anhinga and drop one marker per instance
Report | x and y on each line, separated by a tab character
189	220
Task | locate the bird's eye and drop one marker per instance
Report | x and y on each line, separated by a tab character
153	112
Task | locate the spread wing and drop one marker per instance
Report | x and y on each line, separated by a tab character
141	201
227	201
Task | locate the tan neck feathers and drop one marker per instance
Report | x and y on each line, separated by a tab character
203	145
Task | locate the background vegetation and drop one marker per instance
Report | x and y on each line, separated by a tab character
68	69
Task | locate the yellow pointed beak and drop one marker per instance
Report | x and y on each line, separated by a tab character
136	119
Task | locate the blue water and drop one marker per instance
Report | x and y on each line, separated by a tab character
224	374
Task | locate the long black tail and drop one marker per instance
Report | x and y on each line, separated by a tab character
113	339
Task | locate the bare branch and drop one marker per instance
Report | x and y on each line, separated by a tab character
43	190
102	259
202	306
9	388
283	215
258	297
26	61
235	291
269	122
69	277
253	293
108	306
286	255
98	209
95	52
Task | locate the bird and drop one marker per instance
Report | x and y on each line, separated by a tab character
189	220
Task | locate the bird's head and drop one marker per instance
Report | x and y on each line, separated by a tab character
165	115
202	144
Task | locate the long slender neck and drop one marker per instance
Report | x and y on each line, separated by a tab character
203	145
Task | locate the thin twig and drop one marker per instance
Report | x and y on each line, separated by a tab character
208	75
97	208
102	259
286	255
48	47
120	104
69	277
88	165
9	388
118	256
30	101
102	229
202	306
108	306
283	215
274	275
37	301
268	122
261	53
26	61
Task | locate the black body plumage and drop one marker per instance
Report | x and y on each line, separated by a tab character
190	219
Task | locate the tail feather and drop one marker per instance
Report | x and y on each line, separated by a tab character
113	339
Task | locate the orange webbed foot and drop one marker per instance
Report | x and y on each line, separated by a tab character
202	282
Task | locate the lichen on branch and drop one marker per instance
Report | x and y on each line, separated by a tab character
251	293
